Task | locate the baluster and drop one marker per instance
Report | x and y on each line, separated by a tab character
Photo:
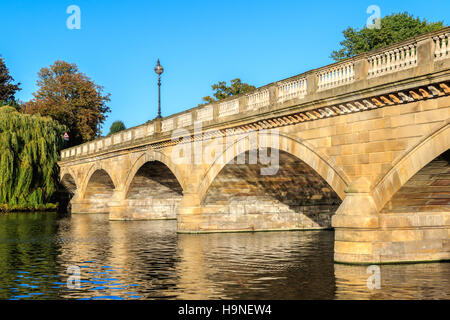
410	57
376	64
413	54
437	47
393	61
397	59
447	41
401	58
404	57
441	42
386	62
389	61
443	46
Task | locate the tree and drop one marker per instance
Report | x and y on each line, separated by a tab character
394	28
223	91
73	99
29	150
116	127
7	88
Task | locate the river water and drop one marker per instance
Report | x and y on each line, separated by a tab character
149	260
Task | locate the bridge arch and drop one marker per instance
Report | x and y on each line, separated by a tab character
68	179
303	192
96	168
151	156
321	164
69	182
412	161
153	190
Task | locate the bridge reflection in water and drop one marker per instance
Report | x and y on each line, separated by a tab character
149	260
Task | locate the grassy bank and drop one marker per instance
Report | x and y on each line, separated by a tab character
4	208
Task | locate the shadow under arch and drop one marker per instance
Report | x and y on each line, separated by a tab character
153	192
333	175
303	193
68	182
92	170
66	191
152	156
99	191
412	161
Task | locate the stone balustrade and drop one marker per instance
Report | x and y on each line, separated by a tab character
442	46
400	58
228	108
291	89
258	99
336	76
315	84
184	120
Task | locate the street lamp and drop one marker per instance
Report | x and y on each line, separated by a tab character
159	70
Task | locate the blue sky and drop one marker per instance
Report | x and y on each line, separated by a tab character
199	43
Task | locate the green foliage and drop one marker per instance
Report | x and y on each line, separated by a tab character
7	88
16	104
394	28
223	91
29	150
39	207
116	127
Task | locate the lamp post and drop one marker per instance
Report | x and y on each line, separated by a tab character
159	70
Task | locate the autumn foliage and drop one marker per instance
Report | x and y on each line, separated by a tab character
73	99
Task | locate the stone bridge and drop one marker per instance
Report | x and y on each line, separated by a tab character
360	146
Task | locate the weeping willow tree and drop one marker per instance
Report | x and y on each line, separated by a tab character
29	150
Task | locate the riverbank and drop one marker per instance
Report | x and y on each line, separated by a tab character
5	208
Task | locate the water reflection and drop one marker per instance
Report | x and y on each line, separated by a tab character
148	260
401	281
